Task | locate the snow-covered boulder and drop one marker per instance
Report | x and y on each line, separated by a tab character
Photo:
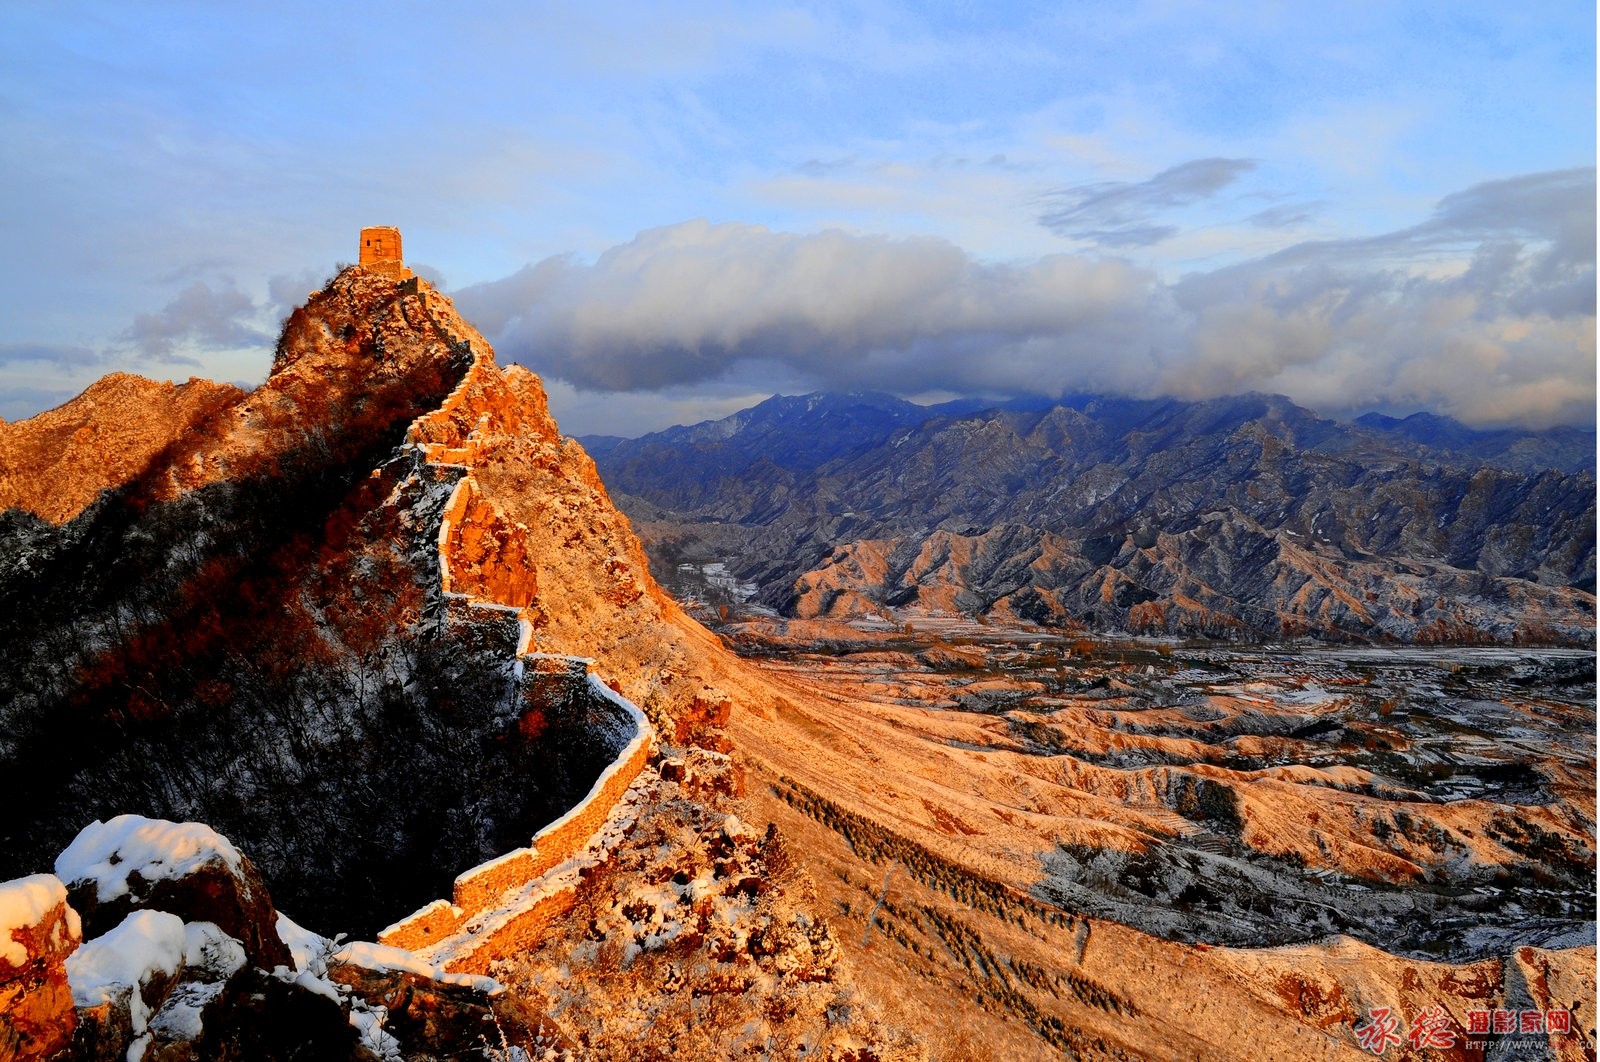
38	930
159	990
256	1015
184	868
123	977
180	956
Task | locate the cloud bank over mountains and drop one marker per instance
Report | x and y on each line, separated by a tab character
1124	190
1484	311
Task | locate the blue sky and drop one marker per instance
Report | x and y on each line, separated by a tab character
672	210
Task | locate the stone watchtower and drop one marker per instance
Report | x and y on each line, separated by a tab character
380	252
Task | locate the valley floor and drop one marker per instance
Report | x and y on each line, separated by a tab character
1032	844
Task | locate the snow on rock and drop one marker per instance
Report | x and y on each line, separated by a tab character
310	953
184	868
397	998
38	931
360	977
112	971
209	953
309	950
368	1024
146	943
180	1018
383	959
24	903
109	852
210	958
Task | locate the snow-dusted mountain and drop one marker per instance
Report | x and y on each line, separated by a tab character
1245	516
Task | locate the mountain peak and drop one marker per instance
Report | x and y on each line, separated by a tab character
56	463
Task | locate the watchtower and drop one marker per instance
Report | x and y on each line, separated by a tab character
380	252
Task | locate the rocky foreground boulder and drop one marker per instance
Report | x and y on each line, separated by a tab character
178	954
133	862
38	930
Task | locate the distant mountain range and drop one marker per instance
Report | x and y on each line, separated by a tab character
1562	449
1245	516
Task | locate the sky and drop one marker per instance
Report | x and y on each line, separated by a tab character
673	211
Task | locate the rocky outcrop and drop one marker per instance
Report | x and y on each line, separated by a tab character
38	930
122	978
256	1015
181	941
169	985
698	937
447	1020
188	870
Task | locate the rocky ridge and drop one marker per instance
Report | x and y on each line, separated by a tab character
273	564
478	530
56	463
1244	517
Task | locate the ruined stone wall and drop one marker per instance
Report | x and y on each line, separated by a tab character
479	887
513	912
447	926
560	840
520	933
425	926
486	577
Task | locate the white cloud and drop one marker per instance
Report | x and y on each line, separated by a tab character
1484	311
198	317
690	302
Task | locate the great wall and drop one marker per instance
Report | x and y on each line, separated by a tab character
498	906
